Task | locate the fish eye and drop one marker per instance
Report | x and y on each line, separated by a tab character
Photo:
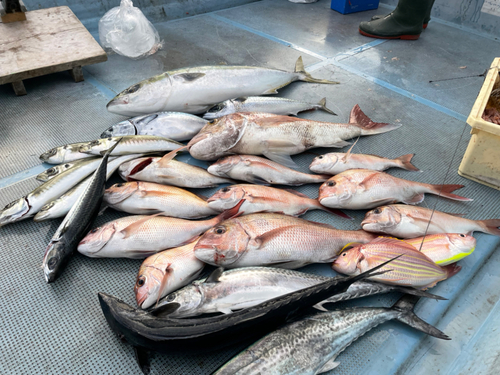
171	297
220	230
66	165
51	170
141	281
344	254
119	185
331	183
225	190
52	263
377	211
462	235
320	157
52	152
95	230
132	89
94	143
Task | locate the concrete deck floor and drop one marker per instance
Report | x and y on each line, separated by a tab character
59	328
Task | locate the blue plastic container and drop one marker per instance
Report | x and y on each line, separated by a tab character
351	6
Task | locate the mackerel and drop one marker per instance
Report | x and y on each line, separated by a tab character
241	288
64	154
60	207
311	345
131	144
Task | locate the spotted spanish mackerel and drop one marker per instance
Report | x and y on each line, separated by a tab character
277	137
228	291
311	345
194	90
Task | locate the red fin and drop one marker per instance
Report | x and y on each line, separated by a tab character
368	178
163	162
164	282
451	270
346	156
322	224
406	162
358	117
445	191
265	165
263	238
334	211
127	231
490	226
416	199
231	213
139	167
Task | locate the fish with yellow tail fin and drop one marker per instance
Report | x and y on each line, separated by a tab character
445	248
412	268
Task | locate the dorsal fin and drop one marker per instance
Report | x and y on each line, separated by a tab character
392	241
127	231
163	162
297	193
215	275
346	156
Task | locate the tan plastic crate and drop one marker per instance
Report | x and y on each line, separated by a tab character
481	161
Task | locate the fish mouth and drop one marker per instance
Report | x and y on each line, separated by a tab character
141	300
196	139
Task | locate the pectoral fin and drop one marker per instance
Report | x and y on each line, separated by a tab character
416	199
142	358
129	230
330	365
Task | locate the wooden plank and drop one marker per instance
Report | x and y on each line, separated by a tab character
77	73
19	88
14	17
50	40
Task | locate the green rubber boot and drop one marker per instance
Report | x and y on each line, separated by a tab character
405	22
427	17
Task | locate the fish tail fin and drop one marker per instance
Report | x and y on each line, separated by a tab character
491	226
445	191
322	105
306	77
231	213
369	127
406	162
417	292
451	270
405	306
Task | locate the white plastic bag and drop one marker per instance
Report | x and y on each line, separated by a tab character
128	32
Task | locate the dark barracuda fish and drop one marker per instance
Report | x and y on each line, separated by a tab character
232	290
76	223
311	345
145	331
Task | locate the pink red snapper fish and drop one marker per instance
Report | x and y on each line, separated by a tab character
358	189
404	221
277	137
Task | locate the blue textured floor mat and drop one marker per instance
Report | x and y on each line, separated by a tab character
59	328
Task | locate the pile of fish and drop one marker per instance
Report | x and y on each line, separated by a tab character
246	226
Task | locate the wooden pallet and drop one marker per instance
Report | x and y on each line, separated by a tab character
49	41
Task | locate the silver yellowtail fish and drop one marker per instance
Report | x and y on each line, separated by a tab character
358	189
172	125
146	198
228	291
63	154
273	240
266	199
310	346
258	170
60	207
278	106
131	144
277	137
169	172
404	221
29	205
165	272
56	170
194	90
